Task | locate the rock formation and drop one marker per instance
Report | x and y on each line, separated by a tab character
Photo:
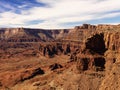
10	79
86	54
55	66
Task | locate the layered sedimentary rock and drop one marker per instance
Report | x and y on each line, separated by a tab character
89	47
96	39
30	35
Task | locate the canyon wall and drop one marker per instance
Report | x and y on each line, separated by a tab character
92	47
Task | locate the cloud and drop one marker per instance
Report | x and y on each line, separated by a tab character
57	13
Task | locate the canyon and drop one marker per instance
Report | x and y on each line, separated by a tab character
86	57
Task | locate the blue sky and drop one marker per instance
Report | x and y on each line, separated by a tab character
52	14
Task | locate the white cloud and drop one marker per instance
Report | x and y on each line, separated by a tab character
62	11
48	1
22	6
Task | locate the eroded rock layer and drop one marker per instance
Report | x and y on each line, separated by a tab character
93	54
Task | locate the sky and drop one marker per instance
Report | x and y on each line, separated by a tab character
56	14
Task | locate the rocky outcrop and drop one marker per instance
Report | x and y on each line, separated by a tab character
99	49
55	66
96	43
57	48
95	63
11	78
86	26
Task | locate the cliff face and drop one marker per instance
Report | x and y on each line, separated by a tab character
30	35
100	45
112	40
101	53
96	39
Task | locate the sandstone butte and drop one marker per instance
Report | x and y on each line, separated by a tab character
86	57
